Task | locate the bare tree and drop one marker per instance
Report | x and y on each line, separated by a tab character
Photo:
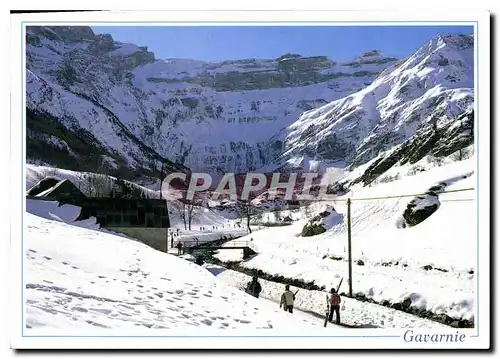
246	209
186	210
182	213
190	209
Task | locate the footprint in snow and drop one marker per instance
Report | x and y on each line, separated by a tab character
99	310
164	278
65	263
75	267
101	276
206	322
140	285
47	258
207	295
125	314
48	281
32	250
80	309
179	291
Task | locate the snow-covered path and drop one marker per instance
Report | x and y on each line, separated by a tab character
354	313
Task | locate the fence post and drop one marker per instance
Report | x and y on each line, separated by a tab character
349	244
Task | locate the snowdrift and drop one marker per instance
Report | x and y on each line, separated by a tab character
79	281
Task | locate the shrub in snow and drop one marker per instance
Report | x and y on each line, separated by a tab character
321	222
420	208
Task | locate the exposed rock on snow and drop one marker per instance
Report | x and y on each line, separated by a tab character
321	222
421	208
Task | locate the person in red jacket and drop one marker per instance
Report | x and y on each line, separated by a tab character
334	306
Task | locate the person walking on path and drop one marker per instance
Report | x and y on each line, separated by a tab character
179	248
334	306
254	288
288	299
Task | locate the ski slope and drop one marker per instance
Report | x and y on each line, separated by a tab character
82	281
388	262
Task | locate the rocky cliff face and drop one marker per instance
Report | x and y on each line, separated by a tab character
218	117
115	101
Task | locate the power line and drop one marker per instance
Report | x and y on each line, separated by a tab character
458	200
406	195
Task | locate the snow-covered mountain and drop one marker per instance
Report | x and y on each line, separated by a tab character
89	96
134	109
430	94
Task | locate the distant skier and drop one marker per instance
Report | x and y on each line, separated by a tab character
254	288
334	306
288	299
179	248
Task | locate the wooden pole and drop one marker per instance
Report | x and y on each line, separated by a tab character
349	244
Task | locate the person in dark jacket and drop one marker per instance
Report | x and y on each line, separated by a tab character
179	248
254	288
288	299
334	306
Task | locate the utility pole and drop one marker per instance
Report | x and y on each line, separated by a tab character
349	244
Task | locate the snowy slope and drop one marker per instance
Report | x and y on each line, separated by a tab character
201	215
79	281
432	263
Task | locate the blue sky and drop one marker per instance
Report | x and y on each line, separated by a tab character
215	43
